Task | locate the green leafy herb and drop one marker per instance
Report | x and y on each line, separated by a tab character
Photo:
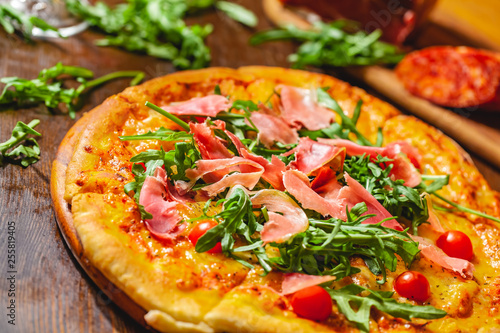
236	220
161	134
328	243
12	19
237	13
48	88
339	43
357	308
400	200
29	153
348	125
156	27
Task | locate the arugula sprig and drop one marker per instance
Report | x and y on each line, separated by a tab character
326	244
339	43
12	19
29	151
48	87
400	200
157	28
236	221
357	308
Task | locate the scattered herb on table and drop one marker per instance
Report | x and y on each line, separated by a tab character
48	87
157	27
20	148
12	20
337	44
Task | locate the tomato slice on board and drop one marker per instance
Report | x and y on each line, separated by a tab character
456	244
413	285
452	76
199	230
312	303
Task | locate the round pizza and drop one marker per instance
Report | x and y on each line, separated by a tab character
275	200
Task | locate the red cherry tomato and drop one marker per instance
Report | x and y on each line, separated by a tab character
456	244
413	285
312	303
199	230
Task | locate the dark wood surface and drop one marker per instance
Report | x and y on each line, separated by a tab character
52	292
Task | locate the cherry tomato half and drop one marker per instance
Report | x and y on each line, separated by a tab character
199	230
456	244
312	303
413	285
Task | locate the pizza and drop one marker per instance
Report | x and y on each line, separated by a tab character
274	200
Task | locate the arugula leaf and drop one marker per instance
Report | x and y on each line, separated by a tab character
180	159
333	44
31	154
48	89
157	28
348	125
237	13
162	134
12	19
357	308
327	243
400	200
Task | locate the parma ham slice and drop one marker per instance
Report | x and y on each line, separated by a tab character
160	203
293	282
299	108
209	106
437	256
286	218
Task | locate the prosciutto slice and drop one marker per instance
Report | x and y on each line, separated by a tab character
437	256
334	198
159	202
280	227
311	155
209	106
273	171
209	145
272	128
293	282
355	193
402	168
297	184
249	175
299	108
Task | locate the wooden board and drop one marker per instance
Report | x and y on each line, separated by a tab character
53	293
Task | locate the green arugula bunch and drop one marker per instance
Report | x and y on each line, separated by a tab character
12	19
339	43
157	28
48	87
357	308
325	247
28	152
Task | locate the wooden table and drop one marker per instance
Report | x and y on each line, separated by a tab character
52	293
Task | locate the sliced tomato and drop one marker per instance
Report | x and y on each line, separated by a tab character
413	285
452	76
199	230
312	303
456	244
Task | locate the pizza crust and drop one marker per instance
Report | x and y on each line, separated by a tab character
95	208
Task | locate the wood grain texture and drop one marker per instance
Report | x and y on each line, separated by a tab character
53	294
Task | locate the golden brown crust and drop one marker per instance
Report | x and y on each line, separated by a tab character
104	230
